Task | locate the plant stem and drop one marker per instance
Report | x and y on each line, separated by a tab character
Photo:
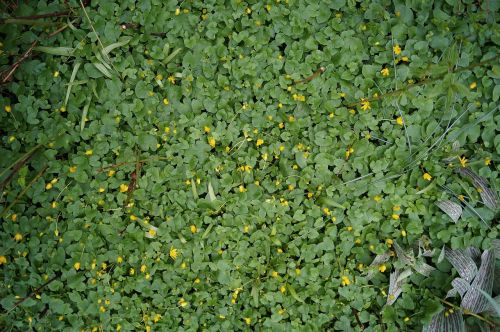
467	312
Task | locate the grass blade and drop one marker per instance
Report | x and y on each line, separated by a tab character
72	78
84	115
62	51
106	50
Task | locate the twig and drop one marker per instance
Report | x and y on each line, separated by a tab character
6	76
355	312
36	17
34	292
307	79
24	191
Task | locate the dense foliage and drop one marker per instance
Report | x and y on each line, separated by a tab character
233	165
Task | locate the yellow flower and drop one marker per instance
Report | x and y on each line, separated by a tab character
427	177
143	268
399	121
152	232
473	85
365	104
101	189
182	302
72	169
385	72
264	156
3	260
89	152
487	161
211	141
242	189
119	260
389	242
298	271
13	217
77	266
406	319
102	309
173	253
297	97
248	320
193	229
8	108
165	101
403	233
259	142
396	49
177	11
171	79
131	271
282	148
206	129
395	216
326	211
18	237
280	105
246	229
382	268
345	281
283	289
274	274
111	172
377	198
123	187
56	74
405	59
463	161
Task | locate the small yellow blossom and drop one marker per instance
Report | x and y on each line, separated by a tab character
280	105
403	233
345	281
274	274
8	108
487	161
123	187
211	141
395	216
291	118
396	49
248	320
382	268
427	177
183	303
131	271
177	11
143	268
349	228
365	104
89	152
297	97
326	211
101	190
473	85
173	253
54	204
385	72
282	148
259	142
377	198
111	172
207	129
3	260
281	125
283	289
77	266
242	189
193	229
246	229
406	319
399	121
463	161
119	260
72	169
389	242
152	232
171	79
165	101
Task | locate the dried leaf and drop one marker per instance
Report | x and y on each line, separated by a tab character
473	299
423	268
395	287
460	286
464	264
405	274
488	195
405	257
441	255
452	209
379	259
496	247
451	322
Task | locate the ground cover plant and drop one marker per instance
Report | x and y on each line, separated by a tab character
249	165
